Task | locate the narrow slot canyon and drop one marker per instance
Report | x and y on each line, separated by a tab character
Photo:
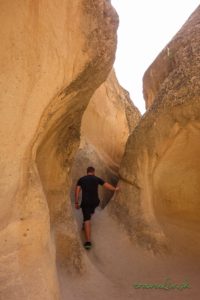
62	109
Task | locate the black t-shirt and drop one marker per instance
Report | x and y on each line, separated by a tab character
89	186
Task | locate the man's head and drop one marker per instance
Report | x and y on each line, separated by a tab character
90	170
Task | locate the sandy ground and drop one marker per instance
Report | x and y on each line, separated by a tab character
115	264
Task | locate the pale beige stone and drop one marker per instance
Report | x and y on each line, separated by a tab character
54	55
106	124
161	168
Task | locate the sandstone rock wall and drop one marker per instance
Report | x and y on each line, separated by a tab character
53	57
106	124
169	60
160	170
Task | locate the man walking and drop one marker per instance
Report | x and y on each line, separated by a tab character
90	199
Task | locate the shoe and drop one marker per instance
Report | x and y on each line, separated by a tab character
88	245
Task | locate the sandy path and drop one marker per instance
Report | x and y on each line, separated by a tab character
115	264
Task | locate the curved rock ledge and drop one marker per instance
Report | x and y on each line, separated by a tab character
52	60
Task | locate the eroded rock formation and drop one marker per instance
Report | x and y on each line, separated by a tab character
160	170
53	58
106	124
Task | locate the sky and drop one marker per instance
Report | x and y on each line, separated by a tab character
146	27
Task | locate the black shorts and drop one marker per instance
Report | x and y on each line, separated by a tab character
88	211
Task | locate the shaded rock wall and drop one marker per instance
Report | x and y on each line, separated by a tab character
109	119
160	170
106	124
50	67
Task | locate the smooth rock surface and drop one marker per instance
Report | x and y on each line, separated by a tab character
53	57
106	124
161	167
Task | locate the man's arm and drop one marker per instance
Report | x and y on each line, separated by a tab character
77	192
110	187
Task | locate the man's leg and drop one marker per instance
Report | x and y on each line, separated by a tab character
87	212
87	227
87	222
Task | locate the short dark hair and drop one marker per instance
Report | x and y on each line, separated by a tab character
90	170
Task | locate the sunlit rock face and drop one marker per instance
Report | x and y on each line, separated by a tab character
107	122
54	55
160	171
176	61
